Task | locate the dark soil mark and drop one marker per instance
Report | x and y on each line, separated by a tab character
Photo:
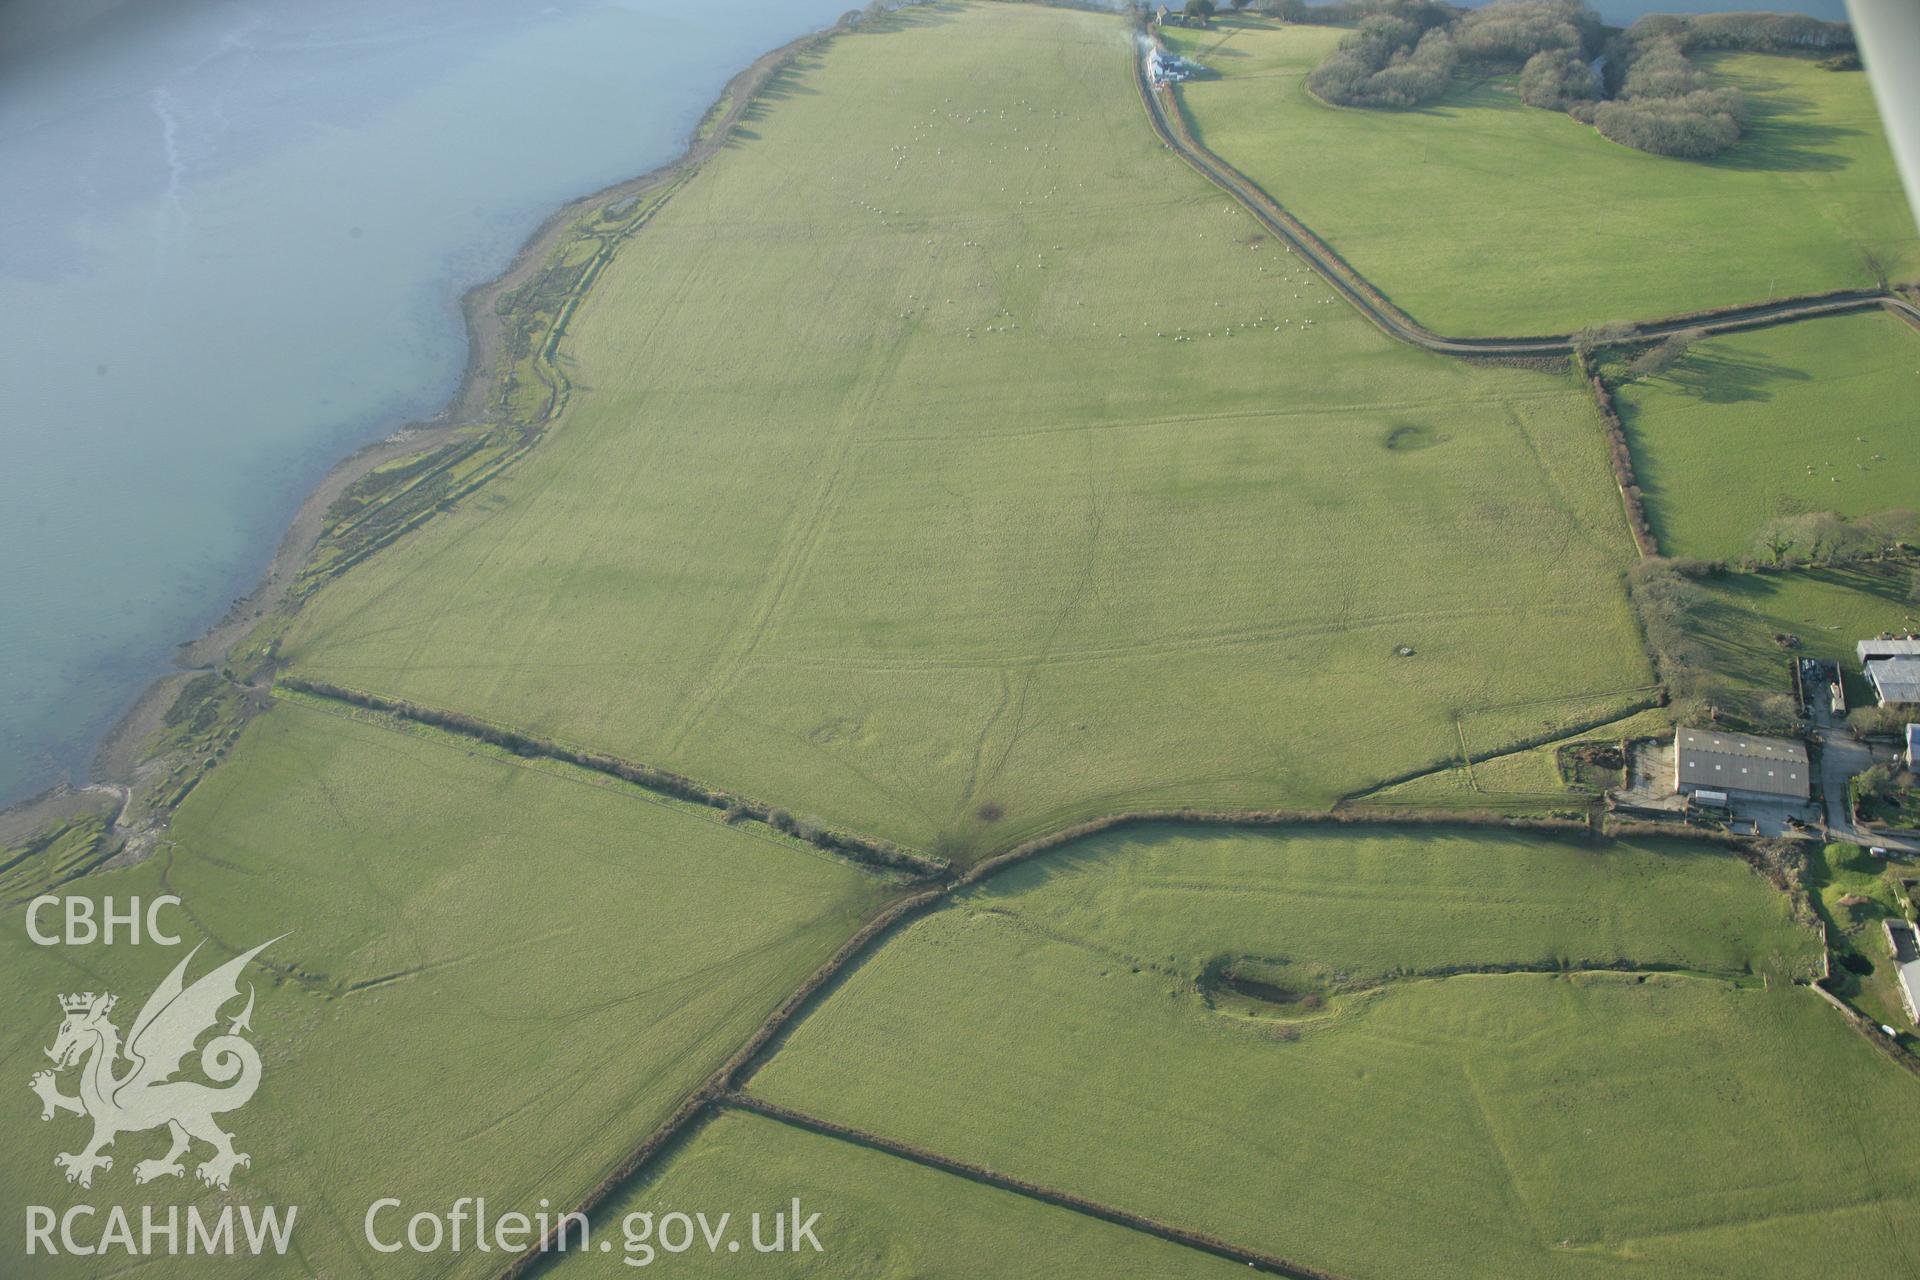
1407	438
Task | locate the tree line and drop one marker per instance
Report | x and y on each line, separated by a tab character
1398	59
1639	87
1827	539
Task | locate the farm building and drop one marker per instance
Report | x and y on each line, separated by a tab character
1913	746
1170	68
1740	765
1888	647
1906	959
1893	668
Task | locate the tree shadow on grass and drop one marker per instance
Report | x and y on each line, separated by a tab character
1487	94
1888	582
1723	375
1780	136
1737	623
1738	635
783	85
909	18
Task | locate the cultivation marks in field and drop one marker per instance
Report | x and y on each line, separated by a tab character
511	970
884	1215
946	460
966	546
1539	1112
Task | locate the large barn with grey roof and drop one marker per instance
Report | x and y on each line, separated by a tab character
1740	765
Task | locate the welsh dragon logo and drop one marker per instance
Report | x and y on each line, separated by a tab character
128	1088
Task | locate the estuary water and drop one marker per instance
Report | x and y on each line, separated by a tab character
233	237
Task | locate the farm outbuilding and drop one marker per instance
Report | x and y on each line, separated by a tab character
1892	665
1888	647
1740	764
1895	680
1170	68
1906	960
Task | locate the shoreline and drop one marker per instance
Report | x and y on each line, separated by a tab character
117	763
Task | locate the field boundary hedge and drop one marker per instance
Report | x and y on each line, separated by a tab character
727	1082
721	1081
1869	1030
859	848
1656	698
1254	1259
1620	454
722	1086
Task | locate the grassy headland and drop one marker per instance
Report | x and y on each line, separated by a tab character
949	461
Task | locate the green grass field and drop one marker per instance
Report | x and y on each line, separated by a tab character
1521	782
499	977
889	494
1485	216
1807	417
1854	892
947	460
1518	1124
880	1216
1828	609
